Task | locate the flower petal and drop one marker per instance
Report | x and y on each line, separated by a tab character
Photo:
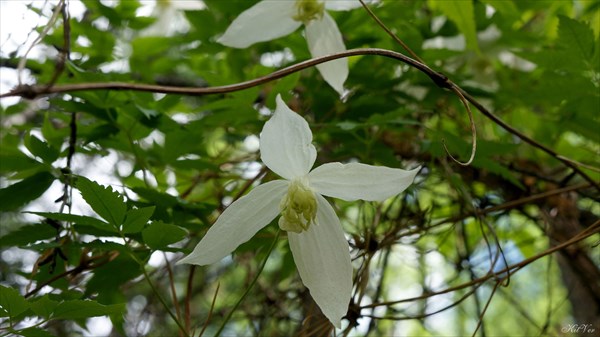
323	259
265	21
342	5
359	181
239	222
324	38
285	143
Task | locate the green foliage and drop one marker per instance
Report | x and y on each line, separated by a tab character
28	189
103	191
159	235
461	12
11	302
103	200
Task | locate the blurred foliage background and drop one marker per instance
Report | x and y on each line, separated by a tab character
102	191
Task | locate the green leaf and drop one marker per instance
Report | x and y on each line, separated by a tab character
11	162
34	332
27	234
107	280
11	302
28	189
504	6
54	136
461	12
43	306
137	218
82	309
108	203
577	38
160	235
159	198
77	219
41	149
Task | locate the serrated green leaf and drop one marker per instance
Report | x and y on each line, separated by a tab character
82	309
41	149
462	13
160	235
137	218
77	219
11	302
27	234
576	38
108	203
28	189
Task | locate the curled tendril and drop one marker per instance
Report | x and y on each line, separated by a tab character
462	98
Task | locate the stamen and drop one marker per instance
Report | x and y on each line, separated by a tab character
298	208
309	10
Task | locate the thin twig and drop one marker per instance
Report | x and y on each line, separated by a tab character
517	202
575	162
159	296
591	230
85	264
456	90
65	51
260	269
249	183
188	297
389	32
43	34
33	91
487	304
172	287
210	312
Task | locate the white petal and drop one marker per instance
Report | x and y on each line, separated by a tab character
359	181
285	143
342	5
239	222
324	38
323	259
265	21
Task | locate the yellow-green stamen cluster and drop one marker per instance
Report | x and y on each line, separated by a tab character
298	208
308	10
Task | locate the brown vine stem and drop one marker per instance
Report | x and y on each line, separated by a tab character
453	88
173	291
456	90
33	91
188	298
499	275
515	203
85	264
480	321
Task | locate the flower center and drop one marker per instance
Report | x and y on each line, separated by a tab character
308	10
298	207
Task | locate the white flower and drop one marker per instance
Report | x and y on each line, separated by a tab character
268	20
315	234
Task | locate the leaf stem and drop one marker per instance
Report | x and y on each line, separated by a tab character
157	293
